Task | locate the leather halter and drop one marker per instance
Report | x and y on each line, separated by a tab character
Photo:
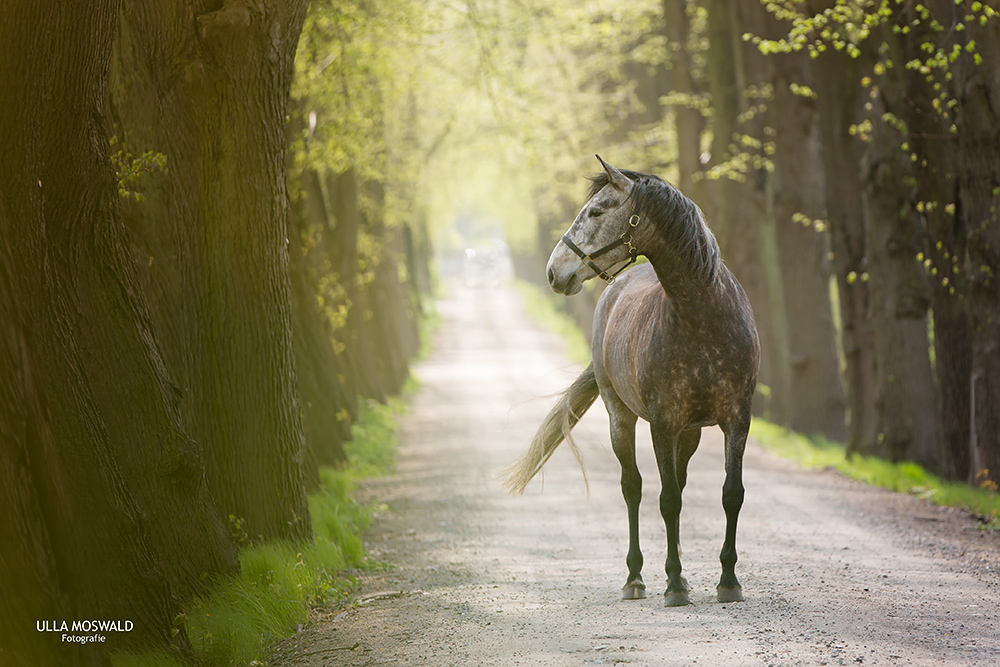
624	240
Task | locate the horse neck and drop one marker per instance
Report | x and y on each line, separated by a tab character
674	274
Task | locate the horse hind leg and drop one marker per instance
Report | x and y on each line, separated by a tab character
623	442
729	589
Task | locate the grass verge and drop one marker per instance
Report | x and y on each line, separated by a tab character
903	477
242	616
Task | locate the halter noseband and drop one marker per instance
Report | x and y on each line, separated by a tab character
624	240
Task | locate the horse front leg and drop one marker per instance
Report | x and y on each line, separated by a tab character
623	443
729	589
668	460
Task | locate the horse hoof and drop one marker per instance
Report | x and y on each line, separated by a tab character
676	599
734	594
634	590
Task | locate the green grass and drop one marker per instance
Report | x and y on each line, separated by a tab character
372	449
243	615
543	308
903	477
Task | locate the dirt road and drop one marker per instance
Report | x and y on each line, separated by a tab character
834	573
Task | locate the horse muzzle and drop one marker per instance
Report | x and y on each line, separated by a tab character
562	271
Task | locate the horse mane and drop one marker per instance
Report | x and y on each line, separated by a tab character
679	221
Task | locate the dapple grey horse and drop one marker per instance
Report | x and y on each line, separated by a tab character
674	343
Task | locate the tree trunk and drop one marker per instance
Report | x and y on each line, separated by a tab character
209	89
816	402
29	568
979	198
740	208
97	436
323	394
836	80
388	306
358	337
689	124
905	404
935	169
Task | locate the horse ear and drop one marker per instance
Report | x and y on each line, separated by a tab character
618	179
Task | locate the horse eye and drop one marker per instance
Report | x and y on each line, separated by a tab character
594	212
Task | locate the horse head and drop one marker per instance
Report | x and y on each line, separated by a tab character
602	229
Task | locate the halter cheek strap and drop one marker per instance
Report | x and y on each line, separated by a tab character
624	240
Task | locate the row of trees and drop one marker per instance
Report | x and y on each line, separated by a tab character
194	294
883	117
846	156
892	105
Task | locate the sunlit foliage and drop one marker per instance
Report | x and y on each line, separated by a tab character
478	110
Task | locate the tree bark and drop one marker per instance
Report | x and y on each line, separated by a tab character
29	568
355	274
324	396
979	198
96	433
836	80
741	216
689	123
935	169
208	87
816	402
905	405
388	309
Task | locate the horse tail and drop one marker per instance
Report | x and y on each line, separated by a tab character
554	429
